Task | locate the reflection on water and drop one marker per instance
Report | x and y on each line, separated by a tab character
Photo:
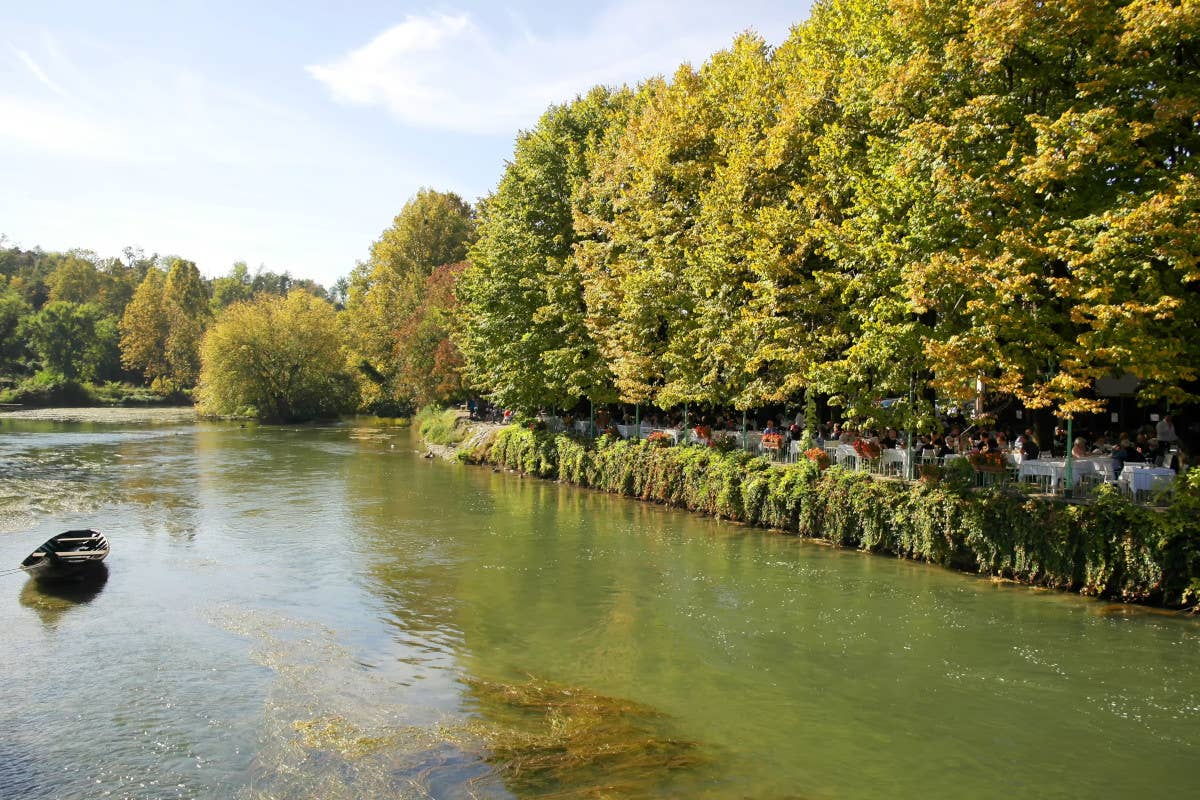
318	612
51	599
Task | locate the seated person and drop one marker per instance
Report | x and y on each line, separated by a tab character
1029	446
1080	448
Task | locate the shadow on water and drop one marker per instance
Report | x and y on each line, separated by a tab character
52	599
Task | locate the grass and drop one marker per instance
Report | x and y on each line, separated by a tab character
439	426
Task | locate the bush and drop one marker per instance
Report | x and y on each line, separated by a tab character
46	390
439	426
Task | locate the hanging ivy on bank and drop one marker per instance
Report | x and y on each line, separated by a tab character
1111	548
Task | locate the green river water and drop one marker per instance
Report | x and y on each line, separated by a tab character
319	612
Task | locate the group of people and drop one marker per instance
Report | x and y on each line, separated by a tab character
1158	445
1155	443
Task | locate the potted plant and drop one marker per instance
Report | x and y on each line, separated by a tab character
867	449
659	439
819	456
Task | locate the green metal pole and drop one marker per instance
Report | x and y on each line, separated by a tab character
1067	490
744	429
908	434
685	417
637	421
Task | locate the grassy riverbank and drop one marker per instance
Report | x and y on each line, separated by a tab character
1109	548
56	393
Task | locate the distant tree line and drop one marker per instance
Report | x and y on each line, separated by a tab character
76	316
261	344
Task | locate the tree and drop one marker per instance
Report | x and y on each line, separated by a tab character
73	340
524	333
13	309
144	330
186	307
278	358
429	364
232	288
75	279
433	229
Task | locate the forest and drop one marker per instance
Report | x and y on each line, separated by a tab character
921	201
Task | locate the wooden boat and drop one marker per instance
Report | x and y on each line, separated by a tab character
67	555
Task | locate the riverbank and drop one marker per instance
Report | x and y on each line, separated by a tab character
150	415
1110	548
456	445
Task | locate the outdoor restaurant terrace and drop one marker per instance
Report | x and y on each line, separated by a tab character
1139	465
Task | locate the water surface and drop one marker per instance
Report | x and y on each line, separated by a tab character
319	612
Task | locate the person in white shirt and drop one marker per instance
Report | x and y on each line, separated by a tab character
1165	431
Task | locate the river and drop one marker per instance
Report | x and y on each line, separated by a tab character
319	612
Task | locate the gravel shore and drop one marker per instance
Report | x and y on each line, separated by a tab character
152	415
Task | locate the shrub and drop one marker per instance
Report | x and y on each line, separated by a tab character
439	426
48	389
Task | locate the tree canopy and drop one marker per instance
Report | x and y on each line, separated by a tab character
901	200
281	359
387	294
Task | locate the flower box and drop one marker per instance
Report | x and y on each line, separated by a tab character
867	449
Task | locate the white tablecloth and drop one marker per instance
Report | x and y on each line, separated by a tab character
845	455
673	433
1054	470
894	460
1146	478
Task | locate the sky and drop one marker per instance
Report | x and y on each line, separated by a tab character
289	134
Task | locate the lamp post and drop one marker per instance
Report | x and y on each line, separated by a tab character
1068	472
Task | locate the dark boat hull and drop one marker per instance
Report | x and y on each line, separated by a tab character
67	556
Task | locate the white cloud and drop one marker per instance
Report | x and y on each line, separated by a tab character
449	72
38	72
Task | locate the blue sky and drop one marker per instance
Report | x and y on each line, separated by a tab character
289	134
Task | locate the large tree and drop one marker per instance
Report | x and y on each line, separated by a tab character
433	229
13	309
74	341
163	324
524	333
144	330
186	306
429	364
277	358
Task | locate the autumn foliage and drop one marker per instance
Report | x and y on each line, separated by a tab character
903	199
